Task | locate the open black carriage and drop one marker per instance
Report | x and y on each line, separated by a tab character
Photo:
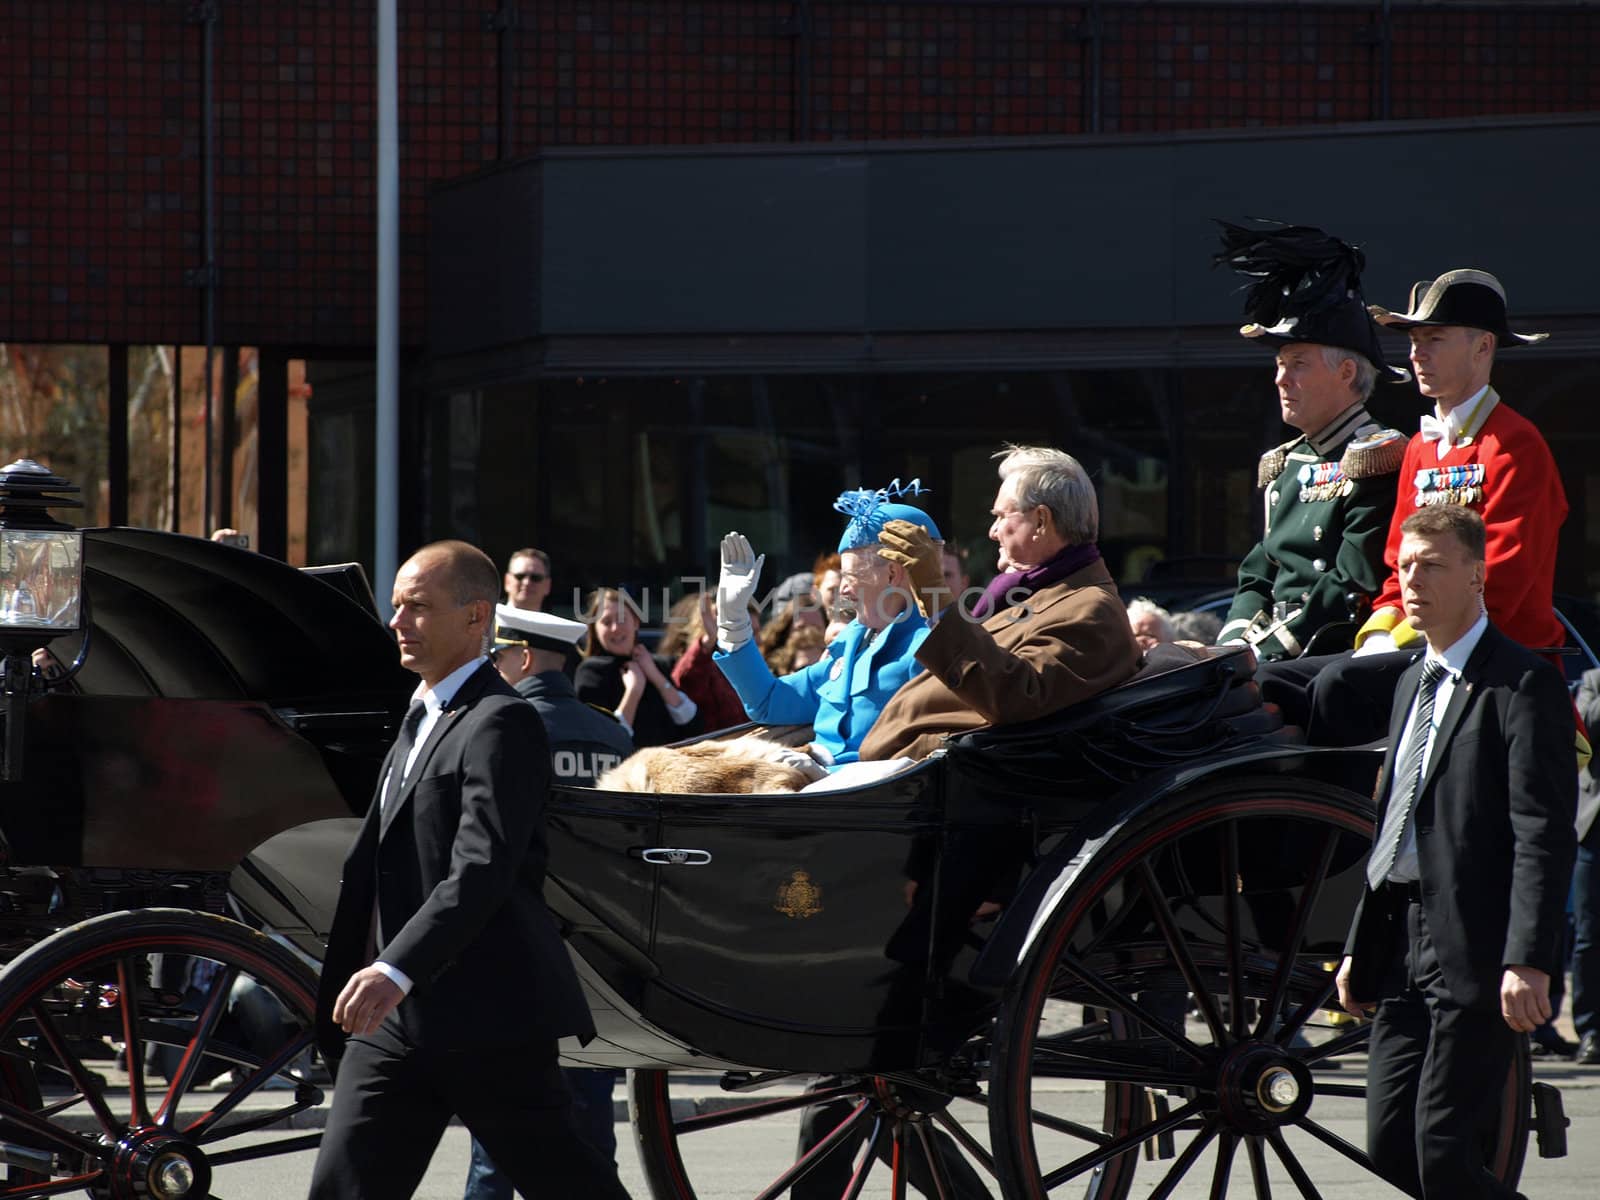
1145	895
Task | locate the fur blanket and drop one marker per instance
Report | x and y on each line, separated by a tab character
748	764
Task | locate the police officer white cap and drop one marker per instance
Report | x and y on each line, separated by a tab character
538	630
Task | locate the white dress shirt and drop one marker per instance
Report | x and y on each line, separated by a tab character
433	701
1446	429
1454	659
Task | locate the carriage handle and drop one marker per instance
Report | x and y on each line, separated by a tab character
674	856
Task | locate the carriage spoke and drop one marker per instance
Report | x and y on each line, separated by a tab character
1114	1064
762	1108
1180	952
807	1161
1258	1168
56	1187
1062	1125
1230	923
898	1185
1314	1003
205	1025
73	1143
1127	1004
1128	1141
309	1141
79	1074
942	1187
1290	954
205	1126
968	1143
858	1177
1226	1144
1291	1164
1345	1041
133	1045
1187	1159
1355	1091
1334	1142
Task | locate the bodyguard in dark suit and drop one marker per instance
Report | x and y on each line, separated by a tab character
444	965
1461	927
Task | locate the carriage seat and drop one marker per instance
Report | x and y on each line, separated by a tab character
1184	702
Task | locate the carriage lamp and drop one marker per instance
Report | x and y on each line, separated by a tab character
41	587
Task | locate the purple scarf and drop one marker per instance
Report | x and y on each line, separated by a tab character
1001	588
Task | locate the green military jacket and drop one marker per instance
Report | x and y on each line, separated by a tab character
1329	497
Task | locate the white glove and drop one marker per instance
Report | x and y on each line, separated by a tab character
741	567
1378	642
800	761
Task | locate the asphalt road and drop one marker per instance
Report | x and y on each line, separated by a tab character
736	1162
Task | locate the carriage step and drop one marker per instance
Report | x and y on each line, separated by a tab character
1550	1121
1161	1145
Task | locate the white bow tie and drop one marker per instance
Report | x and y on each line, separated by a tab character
1436	430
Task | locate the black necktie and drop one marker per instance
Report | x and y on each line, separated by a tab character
402	749
1407	778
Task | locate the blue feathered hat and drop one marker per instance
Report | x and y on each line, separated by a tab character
869	511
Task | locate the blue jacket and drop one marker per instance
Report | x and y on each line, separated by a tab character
841	694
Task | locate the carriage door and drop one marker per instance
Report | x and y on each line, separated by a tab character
790	912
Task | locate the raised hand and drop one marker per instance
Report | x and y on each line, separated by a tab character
741	568
910	546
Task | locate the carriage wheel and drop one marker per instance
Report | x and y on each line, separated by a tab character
903	1136
1235	898
79	1011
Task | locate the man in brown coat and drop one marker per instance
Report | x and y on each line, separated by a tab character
1049	631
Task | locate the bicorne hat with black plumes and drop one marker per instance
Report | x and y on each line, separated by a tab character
1307	288
1474	299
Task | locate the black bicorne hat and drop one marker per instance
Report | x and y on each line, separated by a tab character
1307	289
1465	297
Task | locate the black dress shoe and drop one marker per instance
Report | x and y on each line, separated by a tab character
1589	1050
1547	1043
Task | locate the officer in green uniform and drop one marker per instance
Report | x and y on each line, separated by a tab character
1328	493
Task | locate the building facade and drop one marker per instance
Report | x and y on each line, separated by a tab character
672	268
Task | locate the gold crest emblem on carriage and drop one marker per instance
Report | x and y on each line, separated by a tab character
799	898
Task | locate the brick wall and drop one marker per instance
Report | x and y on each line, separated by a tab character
100	116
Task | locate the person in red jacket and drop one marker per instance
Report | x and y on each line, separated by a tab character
1473	450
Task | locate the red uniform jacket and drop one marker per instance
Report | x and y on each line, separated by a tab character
1505	471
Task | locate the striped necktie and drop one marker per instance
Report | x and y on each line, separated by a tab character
1408	777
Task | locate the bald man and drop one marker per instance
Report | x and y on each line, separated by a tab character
444	967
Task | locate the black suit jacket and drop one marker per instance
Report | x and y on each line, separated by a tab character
1494	821
456	865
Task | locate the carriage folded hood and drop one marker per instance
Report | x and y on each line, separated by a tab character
183	617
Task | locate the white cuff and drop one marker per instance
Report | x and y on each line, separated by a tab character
733	637
1233	631
398	977
685	712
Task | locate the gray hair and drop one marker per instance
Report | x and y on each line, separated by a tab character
1056	480
1366	377
1142	606
1191	626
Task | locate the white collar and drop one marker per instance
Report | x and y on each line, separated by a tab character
1461	415
1454	656
445	690
1447	429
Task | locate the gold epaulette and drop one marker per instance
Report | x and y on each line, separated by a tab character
1375	450
1272	463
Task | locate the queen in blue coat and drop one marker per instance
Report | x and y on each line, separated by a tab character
842	693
